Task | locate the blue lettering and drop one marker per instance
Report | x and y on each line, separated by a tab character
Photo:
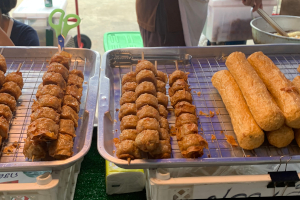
16	175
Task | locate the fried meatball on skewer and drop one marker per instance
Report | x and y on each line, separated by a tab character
147	140
59	68
146	99
162	76
63	58
53	90
14	77
128	97
145	87
129	77
127	109
11	88
148	111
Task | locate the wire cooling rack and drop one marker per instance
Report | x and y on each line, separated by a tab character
207	100
33	69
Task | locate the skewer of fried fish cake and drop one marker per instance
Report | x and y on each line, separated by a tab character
126	148
190	143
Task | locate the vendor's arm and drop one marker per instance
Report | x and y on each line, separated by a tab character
254	3
4	39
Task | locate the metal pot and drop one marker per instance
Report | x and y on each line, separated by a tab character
262	32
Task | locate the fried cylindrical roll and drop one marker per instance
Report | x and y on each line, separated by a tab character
146	99
68	113
8	100
248	133
287	98
128	134
146	75
55	79
72	102
179	84
163	150
14	77
3	66
145	65
77	73
163	122
129	86
35	149
129	77
178	74
145	87
127	149
164	134
192	145
162	111
281	137
185	118
128	97
127	109
5	112
47	100
62	148
4	127
43	129
161	87
59	68
261	104
45	112
181	95
67	126
162	99
75	80
128	122
74	91
63	58
186	129
53	90
184	107
162	76
147	124
147	140
148	111
11	88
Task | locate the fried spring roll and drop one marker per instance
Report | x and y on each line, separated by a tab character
62	148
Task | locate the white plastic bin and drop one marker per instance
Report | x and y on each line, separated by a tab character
59	185
215	183
229	20
35	14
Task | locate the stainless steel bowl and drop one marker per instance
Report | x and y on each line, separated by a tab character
262	32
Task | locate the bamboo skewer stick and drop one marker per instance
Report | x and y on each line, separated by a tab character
1	51
155	64
19	67
176	64
143	56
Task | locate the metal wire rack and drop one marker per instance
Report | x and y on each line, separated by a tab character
206	98
32	70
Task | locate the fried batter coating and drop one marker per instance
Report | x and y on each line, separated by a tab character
162	151
186	118
163	122
74	91
128	134
192	145
75	80
129	86
145	65
3	66
181	95
127	149
161	87
68	113
5	112
14	77
184	107
162	111
35	149
129	122
77	73
43	129
148	111
59	68
145	87
47	100
45	112
54	78
63	58
53	90
67	126
180	84
162	99
127	109
128	97
146	99
129	77
8	100
147	124
72	102
11	88
186	129
146	75
178	74
162	76
62	148
147	140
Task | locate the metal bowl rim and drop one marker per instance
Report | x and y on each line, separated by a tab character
278	36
